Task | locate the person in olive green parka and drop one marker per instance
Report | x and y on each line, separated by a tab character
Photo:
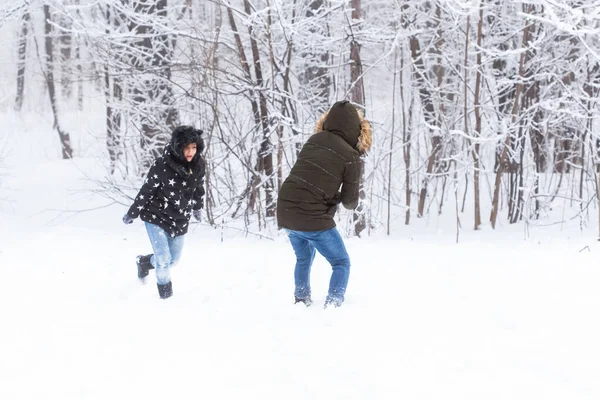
326	173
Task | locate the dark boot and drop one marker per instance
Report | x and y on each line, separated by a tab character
165	291
307	301
143	265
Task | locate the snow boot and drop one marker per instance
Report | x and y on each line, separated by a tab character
165	291
333	302
143	265
307	301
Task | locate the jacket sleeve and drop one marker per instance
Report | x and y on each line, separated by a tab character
199	192
147	191
351	183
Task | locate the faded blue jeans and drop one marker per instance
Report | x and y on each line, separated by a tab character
167	251
330	245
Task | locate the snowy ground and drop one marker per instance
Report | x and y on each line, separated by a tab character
493	317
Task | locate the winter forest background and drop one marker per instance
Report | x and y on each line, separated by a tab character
483	112
485	128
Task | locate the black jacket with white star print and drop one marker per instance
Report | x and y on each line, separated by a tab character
170	192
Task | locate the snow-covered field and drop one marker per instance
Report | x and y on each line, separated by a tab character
493	317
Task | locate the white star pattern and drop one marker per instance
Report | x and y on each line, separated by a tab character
175	191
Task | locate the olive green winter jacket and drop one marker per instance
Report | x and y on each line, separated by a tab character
327	172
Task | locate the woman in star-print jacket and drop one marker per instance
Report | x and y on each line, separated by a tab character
172	192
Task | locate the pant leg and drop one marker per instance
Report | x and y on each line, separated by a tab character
176	248
330	245
305	255
161	260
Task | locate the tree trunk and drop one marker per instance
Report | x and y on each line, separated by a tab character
65	140
112	92
152	91
514	113
426	98
317	75
406	127
65	40
390	164
78	45
22	60
357	96
477	106
253	183
265	154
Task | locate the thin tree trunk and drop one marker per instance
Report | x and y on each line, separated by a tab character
253	103
65	140
285	98
389	183
407	141
465	105
111	93
429	112
65	41
477	106
151	89
406	128
265	154
22	61
317	76
78	46
357	96
514	113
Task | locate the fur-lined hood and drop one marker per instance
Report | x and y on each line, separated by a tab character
184	135
181	137
348	122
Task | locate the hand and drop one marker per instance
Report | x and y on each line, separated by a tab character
335	199
127	219
197	215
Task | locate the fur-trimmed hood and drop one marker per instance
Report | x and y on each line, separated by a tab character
348	122
181	137
184	135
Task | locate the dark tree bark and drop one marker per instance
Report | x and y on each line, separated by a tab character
65	140
357	96
22	60
514	113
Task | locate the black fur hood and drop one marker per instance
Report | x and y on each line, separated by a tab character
184	135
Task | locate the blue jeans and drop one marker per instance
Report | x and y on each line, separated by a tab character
331	246
167	252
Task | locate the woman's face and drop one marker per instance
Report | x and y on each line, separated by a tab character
189	151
